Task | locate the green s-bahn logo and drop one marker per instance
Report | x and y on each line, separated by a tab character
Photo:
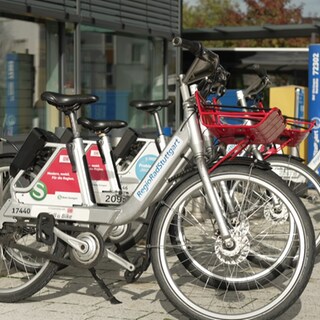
39	191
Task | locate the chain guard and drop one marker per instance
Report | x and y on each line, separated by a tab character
40	254
8	241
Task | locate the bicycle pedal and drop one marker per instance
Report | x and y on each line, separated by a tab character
141	264
45	225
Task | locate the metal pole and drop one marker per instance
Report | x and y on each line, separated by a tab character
77	54
62	63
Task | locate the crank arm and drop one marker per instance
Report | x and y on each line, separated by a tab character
122	262
76	244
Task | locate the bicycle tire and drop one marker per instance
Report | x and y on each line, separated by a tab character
22	265
254	256
5	161
27	264
304	182
16	283
136	232
207	299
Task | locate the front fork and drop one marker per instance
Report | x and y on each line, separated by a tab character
197	146
214	202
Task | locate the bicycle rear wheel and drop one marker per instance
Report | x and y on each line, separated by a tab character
304	182
22	274
263	274
128	235
5	161
27	262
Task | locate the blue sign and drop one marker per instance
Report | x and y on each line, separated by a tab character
300	104
144	164
11	109
314	98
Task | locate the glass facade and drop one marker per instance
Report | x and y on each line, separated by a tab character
39	56
119	69
22	75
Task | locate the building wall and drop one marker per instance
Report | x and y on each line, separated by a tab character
149	17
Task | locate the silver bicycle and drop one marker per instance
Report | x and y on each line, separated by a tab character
232	262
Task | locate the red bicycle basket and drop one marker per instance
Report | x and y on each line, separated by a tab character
295	132
231	127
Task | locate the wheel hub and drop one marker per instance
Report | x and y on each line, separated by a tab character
118	233
237	253
276	214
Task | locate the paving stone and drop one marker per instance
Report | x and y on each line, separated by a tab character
74	295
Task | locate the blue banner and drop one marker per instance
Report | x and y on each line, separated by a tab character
300	104
12	79
314	98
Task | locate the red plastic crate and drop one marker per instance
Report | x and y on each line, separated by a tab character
231	127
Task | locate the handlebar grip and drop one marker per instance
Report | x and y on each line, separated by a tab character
194	47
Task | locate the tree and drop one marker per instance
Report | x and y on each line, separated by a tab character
257	13
261	12
206	14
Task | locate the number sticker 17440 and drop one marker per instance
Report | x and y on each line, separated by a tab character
21	210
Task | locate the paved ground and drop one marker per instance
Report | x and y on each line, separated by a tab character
74	295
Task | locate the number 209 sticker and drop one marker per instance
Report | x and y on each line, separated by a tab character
113	199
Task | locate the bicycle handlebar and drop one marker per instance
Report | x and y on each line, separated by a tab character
258	85
205	63
194	47
197	49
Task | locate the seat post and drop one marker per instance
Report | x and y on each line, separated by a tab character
106	154
77	153
73	123
162	139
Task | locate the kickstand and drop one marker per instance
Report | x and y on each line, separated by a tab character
104	287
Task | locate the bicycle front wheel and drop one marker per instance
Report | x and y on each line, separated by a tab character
261	275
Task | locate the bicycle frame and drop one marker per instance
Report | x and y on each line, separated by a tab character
150	189
90	212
